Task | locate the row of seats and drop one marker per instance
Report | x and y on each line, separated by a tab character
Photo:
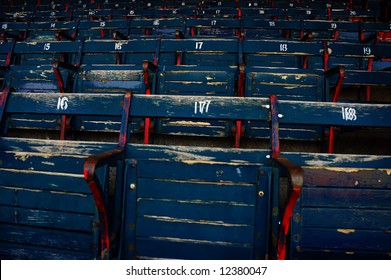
107	10
194	67
205	27
170	201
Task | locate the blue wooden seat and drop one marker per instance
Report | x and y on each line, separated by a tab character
337	206
48	210
287	84
343	211
196	81
208	203
36	71
114	79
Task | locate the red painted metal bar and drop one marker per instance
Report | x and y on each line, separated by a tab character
3	101
147	123
241	81
90	167
341	75
9	55
295	177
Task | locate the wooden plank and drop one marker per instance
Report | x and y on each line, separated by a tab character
192	127
120	46
342	197
358	178
345	114
282	47
47	238
43	218
149	248
197	88
346	218
46	47
210	59
200	45
340	255
198	171
9	251
197	210
54	147
70	103
187	190
339	160
189	229
49	200
345	239
41	162
200	107
189	153
42	180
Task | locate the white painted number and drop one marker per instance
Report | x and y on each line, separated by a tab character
53	25
308	12
4	26
213	22
102	24
333	26
46	46
156	22
272	23
201	106
261	12
283	47
353	13
217	12
367	50
349	114
198	45
62	103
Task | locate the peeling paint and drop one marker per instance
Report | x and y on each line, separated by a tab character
346	231
350	169
189	123
190	221
43	172
172	239
191	162
48	163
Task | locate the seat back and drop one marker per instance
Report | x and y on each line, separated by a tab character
196	203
